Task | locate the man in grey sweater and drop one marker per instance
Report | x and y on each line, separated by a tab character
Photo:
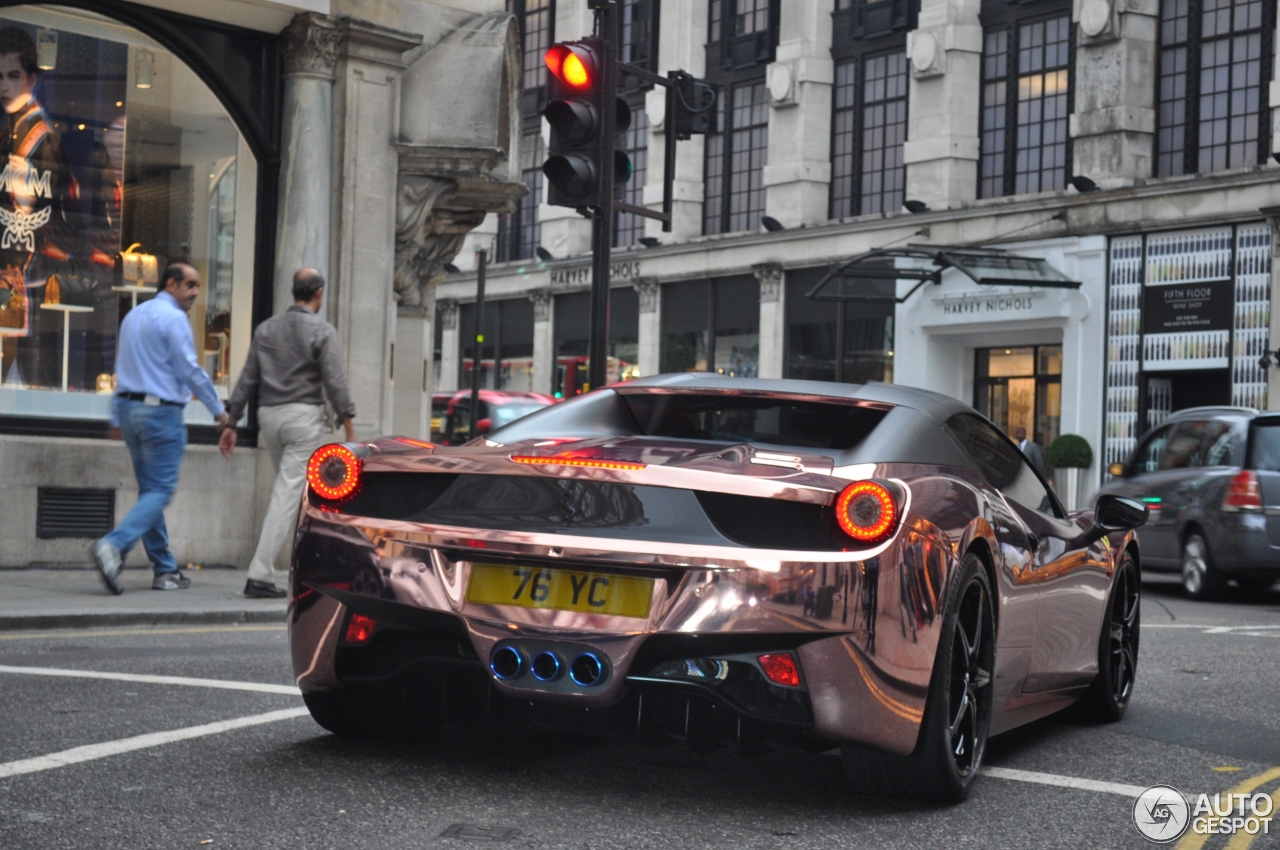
295	361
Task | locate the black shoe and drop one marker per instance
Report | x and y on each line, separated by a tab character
263	590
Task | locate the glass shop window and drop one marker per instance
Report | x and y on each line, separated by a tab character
712	326
845	341
572	333
118	161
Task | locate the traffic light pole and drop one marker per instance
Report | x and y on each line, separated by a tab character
477	342
602	231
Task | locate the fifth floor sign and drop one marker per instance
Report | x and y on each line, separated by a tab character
1187	325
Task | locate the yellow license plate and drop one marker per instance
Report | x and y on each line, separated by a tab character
561	590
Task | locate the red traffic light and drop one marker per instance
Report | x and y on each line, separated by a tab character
572	64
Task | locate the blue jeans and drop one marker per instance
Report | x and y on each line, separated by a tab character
156	437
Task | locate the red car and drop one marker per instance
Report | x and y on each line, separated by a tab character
497	408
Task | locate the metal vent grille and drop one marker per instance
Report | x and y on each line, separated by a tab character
74	512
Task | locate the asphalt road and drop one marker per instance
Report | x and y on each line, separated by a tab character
1204	718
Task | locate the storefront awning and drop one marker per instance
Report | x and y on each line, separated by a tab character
926	263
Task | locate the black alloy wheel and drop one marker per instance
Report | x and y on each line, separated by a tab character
1109	695
969	696
957	713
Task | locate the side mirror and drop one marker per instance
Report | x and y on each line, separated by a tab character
1116	513
1113	513
1116	470
483	426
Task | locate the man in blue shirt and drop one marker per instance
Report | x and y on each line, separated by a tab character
156	372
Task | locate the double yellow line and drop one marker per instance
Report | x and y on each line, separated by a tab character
1241	840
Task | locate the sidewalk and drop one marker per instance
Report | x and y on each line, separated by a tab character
57	597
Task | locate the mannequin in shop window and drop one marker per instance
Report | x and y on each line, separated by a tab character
33	185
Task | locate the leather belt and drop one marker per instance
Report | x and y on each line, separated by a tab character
154	401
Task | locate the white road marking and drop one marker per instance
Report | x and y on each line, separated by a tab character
1212	629
225	684
91	752
1062	781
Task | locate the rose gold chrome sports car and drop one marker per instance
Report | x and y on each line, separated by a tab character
719	561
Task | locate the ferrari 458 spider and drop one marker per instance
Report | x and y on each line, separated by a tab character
718	561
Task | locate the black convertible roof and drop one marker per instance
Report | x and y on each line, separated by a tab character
939	407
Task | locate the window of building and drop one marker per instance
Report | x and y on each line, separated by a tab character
508	342
640	33
120	160
736	156
868	129
712	326
520	232
571	331
1026	98
745	32
1214	58
466	333
869	105
639	47
851	342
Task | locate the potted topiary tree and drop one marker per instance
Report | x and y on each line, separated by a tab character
1069	454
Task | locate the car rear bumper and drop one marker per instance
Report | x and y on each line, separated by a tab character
1245	547
864	632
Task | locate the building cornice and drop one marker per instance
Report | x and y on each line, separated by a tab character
1160	204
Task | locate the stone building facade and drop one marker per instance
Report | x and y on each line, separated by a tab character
248	139
1128	143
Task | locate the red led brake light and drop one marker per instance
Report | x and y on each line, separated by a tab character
866	511
1243	493
781	669
588	463
333	472
360	628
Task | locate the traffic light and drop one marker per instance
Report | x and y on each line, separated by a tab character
693	102
579	88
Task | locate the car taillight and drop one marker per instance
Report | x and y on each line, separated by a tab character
781	669
867	512
360	628
334	472
1243	493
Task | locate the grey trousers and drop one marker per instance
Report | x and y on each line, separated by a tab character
290	433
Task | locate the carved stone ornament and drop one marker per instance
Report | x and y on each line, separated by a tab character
447	309
770	277
443	193
647	287
426	237
543	301
310	45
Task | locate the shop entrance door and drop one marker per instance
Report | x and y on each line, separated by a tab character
1021	388
1168	392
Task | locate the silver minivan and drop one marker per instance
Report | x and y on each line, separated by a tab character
1211	478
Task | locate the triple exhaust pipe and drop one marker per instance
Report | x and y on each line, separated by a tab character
509	662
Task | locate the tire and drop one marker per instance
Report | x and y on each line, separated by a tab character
1109	695
1200	579
391	711
957	714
